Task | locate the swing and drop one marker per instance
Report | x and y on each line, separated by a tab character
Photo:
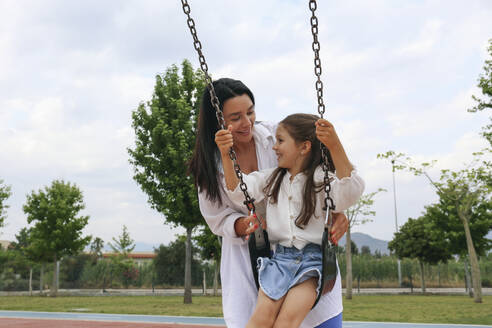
258	244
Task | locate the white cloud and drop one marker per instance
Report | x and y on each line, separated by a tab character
428	37
417	121
396	76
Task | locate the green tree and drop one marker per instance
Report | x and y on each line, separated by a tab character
122	264
485	103
96	247
164	138
5	193
32	253
482	104
57	227
445	218
365	250
210	249
357	214
124	245
169	264
21	245
72	267
463	189
420	240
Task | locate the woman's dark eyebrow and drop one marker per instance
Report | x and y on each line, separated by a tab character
234	114
239	112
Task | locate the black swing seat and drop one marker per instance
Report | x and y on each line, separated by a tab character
259	246
330	268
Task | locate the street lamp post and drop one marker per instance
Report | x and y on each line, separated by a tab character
396	219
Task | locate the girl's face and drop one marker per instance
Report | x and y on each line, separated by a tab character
290	154
240	113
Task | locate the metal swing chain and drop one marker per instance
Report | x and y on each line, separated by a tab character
249	202
325	154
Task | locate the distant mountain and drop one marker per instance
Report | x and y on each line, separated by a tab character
362	239
144	247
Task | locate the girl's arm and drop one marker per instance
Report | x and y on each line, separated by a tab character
347	189
224	141
327	135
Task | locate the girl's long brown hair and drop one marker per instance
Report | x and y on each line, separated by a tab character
301	128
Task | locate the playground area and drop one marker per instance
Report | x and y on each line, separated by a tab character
381	308
18	319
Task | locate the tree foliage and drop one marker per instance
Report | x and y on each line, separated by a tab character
169	264
445	218
5	193
418	239
462	190
124	244
357	214
164	139
361	212
57	228
485	103
96	247
365	250
208	243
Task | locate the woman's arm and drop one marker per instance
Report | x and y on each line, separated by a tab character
223	220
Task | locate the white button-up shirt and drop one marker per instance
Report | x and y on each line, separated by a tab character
239	292
282	215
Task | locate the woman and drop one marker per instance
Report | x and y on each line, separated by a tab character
253	142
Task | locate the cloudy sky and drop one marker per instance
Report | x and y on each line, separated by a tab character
398	75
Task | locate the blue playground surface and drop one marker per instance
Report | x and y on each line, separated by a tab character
196	320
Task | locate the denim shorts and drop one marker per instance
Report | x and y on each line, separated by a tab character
288	267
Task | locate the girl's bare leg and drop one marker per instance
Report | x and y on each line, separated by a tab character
297	304
266	311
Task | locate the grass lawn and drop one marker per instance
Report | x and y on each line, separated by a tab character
418	308
397	308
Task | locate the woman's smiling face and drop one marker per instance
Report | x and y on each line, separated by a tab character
239	112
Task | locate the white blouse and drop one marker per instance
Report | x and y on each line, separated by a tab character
282	215
239	292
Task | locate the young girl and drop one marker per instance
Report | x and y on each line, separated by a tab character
289	282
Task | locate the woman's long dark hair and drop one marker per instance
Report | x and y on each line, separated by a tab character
301	128
206	155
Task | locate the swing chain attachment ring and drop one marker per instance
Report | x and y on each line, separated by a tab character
249	202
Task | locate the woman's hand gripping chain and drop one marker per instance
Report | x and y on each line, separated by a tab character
252	222
224	141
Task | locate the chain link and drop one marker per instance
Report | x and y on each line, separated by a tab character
325	153
249	202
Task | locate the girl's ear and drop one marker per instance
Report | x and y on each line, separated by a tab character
306	147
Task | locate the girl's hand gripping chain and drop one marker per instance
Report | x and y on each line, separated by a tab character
327	135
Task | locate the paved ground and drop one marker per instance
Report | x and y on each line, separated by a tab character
21	319
46	323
